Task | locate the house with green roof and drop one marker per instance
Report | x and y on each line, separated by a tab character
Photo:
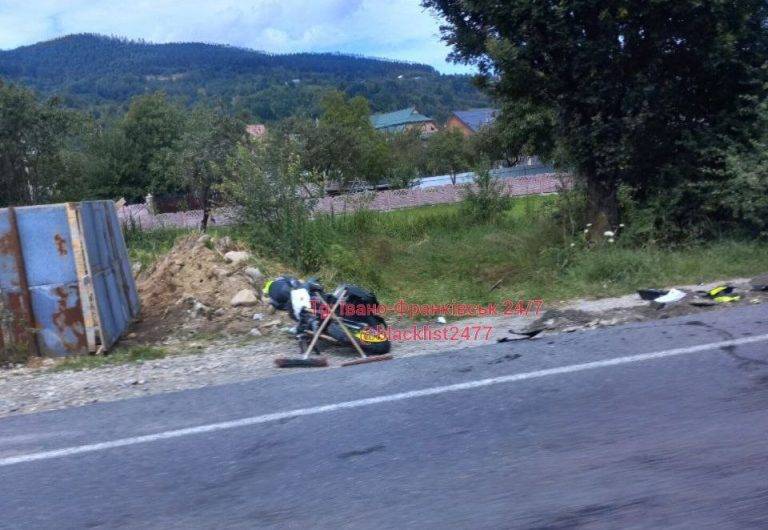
403	120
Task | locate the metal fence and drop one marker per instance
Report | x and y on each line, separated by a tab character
521	170
65	281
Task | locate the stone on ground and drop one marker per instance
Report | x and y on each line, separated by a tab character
237	256
244	298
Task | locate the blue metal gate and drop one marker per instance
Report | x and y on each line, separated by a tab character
65	280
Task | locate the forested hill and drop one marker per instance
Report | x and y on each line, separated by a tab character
101	73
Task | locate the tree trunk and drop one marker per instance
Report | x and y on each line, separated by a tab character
602	205
206	205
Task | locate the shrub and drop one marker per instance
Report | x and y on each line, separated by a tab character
485	199
273	208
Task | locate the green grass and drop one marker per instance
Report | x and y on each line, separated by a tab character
146	247
436	255
134	354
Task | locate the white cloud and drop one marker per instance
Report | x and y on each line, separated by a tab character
396	29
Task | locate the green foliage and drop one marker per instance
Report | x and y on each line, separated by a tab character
269	187
408	158
200	160
133	354
746	194
437	254
151	126
645	94
449	152
136	155
519	130
32	146
344	147
146	246
485	199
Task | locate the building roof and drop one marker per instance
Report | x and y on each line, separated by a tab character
398	119
476	119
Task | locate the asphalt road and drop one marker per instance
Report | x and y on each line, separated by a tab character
581	430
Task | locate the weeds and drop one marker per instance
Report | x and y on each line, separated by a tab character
536	247
134	354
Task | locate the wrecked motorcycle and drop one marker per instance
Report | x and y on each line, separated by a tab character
308	304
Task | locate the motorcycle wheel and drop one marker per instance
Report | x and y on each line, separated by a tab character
376	348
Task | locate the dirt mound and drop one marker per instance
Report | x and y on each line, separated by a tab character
188	294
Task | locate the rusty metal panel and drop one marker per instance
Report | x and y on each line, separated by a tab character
59	316
128	283
17	325
115	291
65	279
52	279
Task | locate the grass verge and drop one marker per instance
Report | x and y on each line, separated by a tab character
434	254
134	354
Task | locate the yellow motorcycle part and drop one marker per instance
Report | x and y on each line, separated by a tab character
370	337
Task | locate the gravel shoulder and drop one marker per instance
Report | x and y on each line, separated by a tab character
32	389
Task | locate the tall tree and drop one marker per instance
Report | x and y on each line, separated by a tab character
407	157
133	156
449	151
151	126
519	130
209	139
344	146
32	138
642	92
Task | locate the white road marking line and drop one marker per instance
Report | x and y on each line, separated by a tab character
267	418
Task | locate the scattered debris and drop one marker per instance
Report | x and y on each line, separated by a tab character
759	283
651	294
255	332
258	316
520	335
674	295
661	297
702	302
554	319
441	320
723	294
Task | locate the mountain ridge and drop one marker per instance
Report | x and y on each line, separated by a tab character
99	72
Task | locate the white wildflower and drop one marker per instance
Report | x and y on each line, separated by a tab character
621	225
586	231
589	225
608	233
610	240
573	244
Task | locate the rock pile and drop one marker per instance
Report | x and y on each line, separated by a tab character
202	287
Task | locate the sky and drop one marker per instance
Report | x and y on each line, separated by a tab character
394	29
